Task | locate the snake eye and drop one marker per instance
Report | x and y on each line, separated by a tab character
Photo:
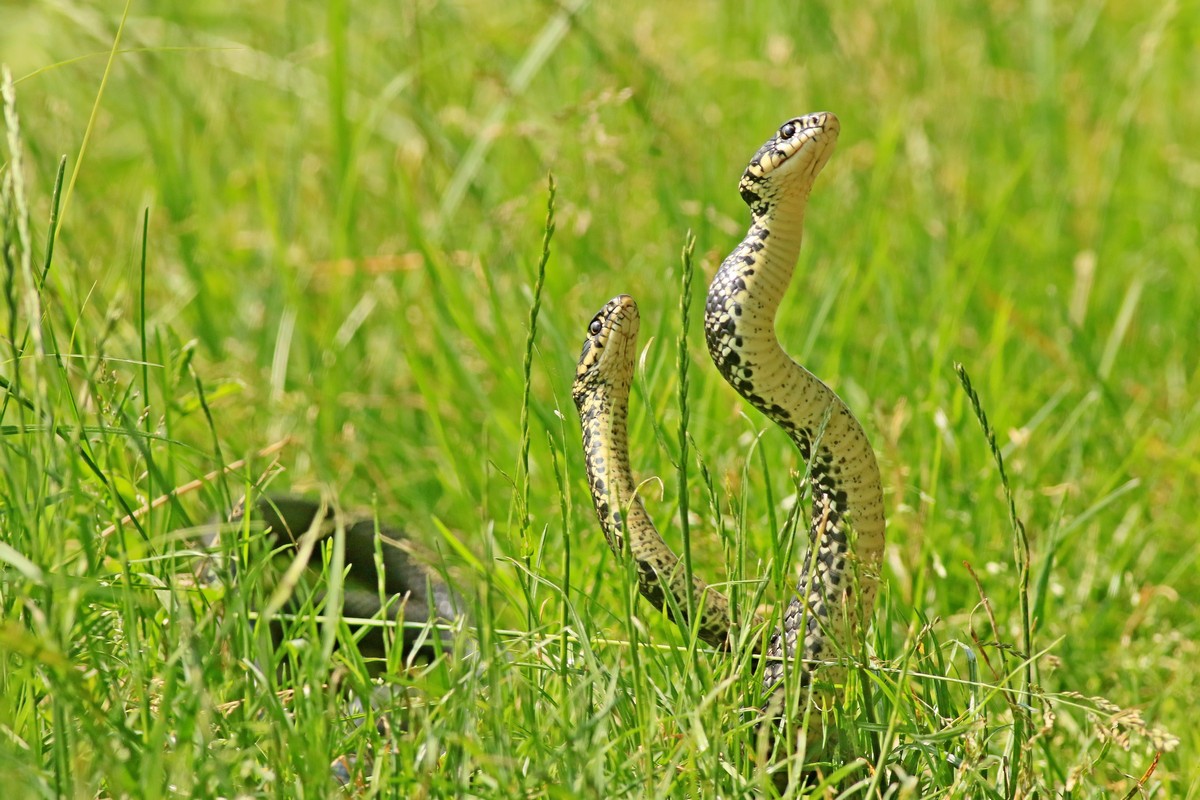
595	328
787	131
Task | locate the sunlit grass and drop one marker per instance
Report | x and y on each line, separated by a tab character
320	231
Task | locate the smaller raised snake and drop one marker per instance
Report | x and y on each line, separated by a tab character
601	394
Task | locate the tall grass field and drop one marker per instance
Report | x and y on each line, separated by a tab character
350	251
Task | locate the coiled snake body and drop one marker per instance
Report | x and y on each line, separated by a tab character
846	534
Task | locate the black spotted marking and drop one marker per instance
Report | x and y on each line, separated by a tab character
650	585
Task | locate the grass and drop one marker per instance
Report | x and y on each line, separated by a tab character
320	230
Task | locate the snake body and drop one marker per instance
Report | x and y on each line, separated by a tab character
839	572
415	593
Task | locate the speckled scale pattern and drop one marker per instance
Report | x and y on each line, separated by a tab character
846	534
601	394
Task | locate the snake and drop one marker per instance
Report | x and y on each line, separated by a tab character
839	572
601	394
414	594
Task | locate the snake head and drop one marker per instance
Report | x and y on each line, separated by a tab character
608	351
790	159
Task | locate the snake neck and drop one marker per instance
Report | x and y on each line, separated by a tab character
606	457
777	247
743	301
623	518
745	297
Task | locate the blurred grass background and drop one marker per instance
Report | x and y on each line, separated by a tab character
346	206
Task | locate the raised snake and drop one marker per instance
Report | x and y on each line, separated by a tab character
839	571
601	394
